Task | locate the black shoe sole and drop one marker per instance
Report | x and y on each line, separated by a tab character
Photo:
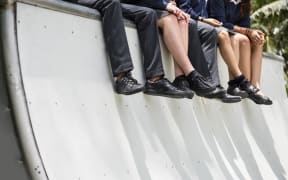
129	92
190	96
177	96
215	95
231	100
204	94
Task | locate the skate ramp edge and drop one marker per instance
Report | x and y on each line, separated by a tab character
72	126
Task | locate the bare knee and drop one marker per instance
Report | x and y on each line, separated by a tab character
167	20
184	26
224	37
244	40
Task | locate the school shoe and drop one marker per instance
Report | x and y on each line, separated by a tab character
240	86
217	93
227	98
260	99
200	85
253	93
163	87
221	94
127	85
236	91
246	89
181	83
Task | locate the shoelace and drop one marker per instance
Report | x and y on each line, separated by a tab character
129	81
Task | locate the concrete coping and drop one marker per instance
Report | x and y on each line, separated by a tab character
273	56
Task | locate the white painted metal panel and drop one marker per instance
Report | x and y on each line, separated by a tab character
86	131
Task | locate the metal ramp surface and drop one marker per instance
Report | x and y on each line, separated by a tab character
72	126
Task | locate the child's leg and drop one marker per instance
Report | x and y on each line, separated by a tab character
171	32
184	32
256	65
241	47
228	54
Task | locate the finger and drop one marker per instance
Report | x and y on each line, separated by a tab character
255	39
179	11
218	22
187	18
260	32
180	17
176	12
263	42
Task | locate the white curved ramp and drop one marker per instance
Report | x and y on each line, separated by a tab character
84	131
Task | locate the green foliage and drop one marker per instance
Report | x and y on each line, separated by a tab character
260	3
273	20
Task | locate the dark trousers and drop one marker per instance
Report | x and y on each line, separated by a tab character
115	36
203	49
146	24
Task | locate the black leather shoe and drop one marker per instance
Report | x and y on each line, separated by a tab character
127	85
260	99
248	87
217	93
226	98
236	91
221	94
240	86
253	93
199	84
163	87
181	83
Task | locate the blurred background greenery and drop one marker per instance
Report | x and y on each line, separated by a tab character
271	16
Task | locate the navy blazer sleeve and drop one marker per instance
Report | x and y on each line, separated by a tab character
216	9
186	6
244	22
